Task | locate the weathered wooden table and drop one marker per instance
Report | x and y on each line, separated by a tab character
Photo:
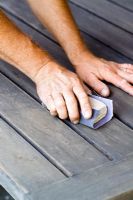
43	158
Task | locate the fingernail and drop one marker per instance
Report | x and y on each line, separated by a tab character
87	115
104	92
76	122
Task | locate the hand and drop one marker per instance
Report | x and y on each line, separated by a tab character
61	90
93	71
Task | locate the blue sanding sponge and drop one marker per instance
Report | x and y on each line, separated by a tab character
102	112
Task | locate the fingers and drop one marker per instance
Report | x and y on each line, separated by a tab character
125	75
126	67
83	101
87	90
66	104
72	106
60	105
49	102
119	82
121	77
98	85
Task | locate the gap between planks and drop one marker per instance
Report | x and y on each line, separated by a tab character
66	173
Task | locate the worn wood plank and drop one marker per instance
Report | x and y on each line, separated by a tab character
115	138
110	182
121	99
105	182
127	4
113	182
63	147
95	26
101	183
109	34
109	12
23	170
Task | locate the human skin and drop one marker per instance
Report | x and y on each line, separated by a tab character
59	89
57	17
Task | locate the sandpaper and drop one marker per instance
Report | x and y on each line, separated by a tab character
91	122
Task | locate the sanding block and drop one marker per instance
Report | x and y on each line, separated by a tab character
102	112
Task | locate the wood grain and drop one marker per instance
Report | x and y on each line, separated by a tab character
89	22
108	11
127	4
65	149
121	99
104	183
23	170
39	151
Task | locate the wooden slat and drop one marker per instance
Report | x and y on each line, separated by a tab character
87	21
109	34
114	138
105	183
23	170
118	95
109	12
121	99
62	146
128	4
16	175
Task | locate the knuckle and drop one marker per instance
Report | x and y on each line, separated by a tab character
71	101
75	79
108	69
122	82
60	104
84	99
86	106
84	96
47	98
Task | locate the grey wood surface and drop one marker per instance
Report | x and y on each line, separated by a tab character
127	4
100	28
114	139
42	157
16	158
110	12
114	182
63	147
120	98
112	148
26	183
97	27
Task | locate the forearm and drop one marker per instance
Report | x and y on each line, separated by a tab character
57	87
18	49
57	17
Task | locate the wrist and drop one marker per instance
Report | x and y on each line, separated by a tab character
84	56
46	70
